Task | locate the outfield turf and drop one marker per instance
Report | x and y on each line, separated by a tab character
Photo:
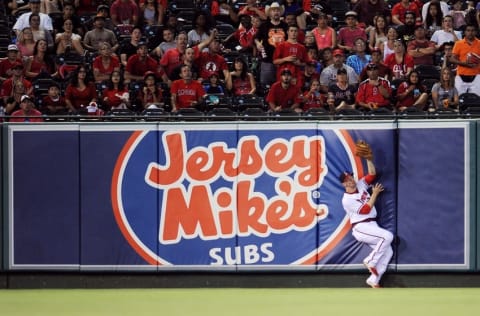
245	302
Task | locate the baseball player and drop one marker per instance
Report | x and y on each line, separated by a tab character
359	205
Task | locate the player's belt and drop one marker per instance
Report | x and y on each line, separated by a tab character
364	221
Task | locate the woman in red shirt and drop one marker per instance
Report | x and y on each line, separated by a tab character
399	62
241	81
412	93
40	62
116	95
80	91
105	63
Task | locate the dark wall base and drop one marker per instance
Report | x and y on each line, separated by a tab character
17	280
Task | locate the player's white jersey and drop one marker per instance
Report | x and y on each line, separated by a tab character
353	203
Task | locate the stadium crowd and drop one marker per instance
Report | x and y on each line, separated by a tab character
63	57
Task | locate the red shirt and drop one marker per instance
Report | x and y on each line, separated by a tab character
370	93
314	100
171	59
124	10
150	99
286	49
138	67
48	102
409	100
209	64
399	9
283	97
7	89
245	37
186	92
20	112
240	86
114	63
399	70
113	96
6	65
80	98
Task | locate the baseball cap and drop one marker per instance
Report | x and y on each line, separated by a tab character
344	175
103	7
12	47
338	51
141	43
25	97
351	13
371	66
34	1
286	72
342	71
98	16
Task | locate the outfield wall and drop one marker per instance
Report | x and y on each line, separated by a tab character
233	196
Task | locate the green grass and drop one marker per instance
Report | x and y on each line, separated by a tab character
245	302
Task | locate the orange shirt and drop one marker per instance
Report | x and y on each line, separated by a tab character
461	49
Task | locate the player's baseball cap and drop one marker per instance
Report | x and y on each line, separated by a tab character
344	175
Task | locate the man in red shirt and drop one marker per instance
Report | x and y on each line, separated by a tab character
173	58
211	62
399	10
27	112
7	63
290	55
140	63
186	92
373	92
421	48
283	94
124	12
14	87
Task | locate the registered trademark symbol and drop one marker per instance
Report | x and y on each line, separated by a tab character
315	194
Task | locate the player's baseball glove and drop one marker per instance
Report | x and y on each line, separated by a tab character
363	150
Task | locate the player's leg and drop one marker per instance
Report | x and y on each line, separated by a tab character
377	238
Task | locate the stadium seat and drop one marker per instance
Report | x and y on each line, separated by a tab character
469	100
428	72
221	114
349	114
189	114
317	114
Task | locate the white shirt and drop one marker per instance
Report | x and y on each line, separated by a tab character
22	21
441	36
329	75
353	203
443	6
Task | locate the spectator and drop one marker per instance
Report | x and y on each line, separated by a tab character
54	103
85	7
367	10
151	93
290	19
27	112
211	62
174	57
38	32
186	93
468	68
25	42
200	29
222	11
458	15
14	87
9	62
383	70
252	8
329	74
399	62
310	40
341	94
271	33
23	20
80	92
129	48
312	98
387	46
446	50
167	44
50	6
124	12
161	9
104	10
213	85
309	74
433	20
446	34
187	59
68	13
105	63
442	5
244	35
326	57
360	59
373	92
99	34
283	94
348	34
291	55
378	32
444	93
140	63
241	81
421	49
406	31
411	93
41	63
399	10
68	42
151	13
116	95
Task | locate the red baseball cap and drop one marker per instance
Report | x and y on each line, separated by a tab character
338	51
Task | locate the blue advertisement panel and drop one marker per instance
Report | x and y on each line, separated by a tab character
43	181
433	196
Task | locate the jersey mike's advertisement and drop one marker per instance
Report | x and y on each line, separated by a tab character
219	196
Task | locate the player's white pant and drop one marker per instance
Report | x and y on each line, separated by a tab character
379	240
